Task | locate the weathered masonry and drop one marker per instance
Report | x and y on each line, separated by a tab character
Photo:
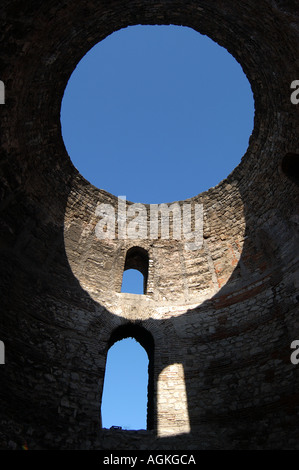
216	322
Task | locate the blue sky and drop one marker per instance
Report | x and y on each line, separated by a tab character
125	389
158	114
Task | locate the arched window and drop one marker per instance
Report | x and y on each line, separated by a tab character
136	260
127	399
133	282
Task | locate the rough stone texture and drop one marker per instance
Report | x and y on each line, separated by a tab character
223	316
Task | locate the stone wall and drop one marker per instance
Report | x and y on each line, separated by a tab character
222	317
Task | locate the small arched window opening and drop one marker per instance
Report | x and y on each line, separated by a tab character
290	166
121	400
136	260
133	282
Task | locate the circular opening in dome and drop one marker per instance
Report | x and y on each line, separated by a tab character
157	113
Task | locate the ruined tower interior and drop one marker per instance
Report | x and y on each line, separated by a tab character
217	322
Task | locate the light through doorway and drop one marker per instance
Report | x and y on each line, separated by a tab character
125	393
